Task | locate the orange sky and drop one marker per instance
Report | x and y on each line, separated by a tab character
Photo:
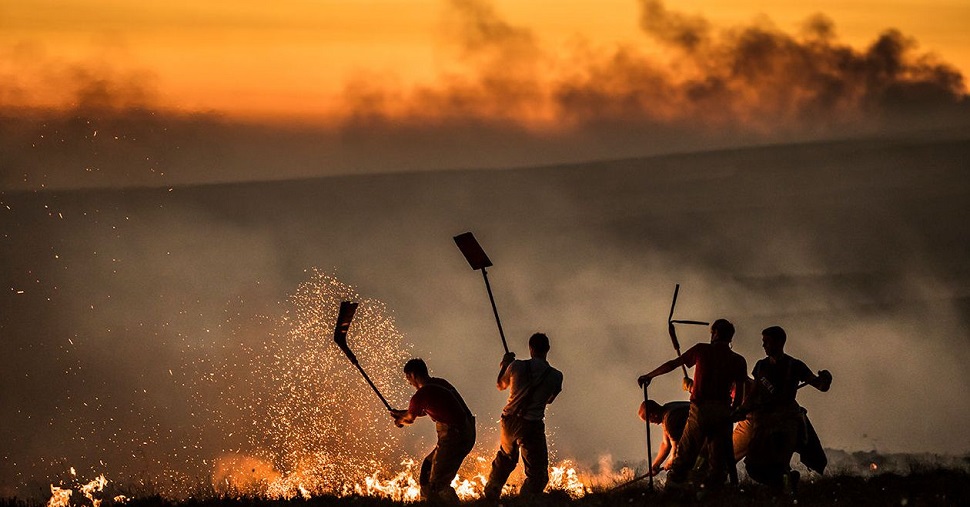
292	57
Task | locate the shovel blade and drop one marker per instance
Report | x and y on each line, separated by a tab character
472	251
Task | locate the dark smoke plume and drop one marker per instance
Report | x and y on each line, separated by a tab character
517	102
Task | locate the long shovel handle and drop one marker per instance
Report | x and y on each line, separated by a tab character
649	445
344	318
374	387
498	321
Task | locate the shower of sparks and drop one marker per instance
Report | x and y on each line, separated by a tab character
313	424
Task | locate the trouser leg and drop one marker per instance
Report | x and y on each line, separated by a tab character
454	444
424	478
772	446
535	457
505	460
722	453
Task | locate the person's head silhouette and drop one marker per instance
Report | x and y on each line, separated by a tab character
539	345
416	372
722	331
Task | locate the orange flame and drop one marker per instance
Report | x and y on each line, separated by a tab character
246	476
61	497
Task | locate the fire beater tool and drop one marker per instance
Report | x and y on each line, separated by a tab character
478	260
649	447
344	318
649	473
673	332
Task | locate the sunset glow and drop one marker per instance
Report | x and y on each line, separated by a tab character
297	59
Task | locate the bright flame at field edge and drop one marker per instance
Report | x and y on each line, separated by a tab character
239	476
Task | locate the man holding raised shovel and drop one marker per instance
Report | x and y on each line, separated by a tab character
718	371
532	385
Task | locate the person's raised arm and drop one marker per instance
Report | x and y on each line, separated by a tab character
504	374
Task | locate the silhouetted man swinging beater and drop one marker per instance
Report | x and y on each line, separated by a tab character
532	385
717	371
454	422
771	431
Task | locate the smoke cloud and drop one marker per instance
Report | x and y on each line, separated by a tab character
509	100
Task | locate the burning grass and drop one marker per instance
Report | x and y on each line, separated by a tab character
942	486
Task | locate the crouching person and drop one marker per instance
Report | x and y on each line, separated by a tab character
454	422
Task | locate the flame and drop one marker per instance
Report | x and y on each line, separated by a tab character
469	489
246	476
565	478
60	497
402	487
95	486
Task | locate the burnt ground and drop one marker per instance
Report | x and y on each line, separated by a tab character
921	488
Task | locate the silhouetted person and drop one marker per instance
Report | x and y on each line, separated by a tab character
532	385
672	418
717	372
774	420
455	425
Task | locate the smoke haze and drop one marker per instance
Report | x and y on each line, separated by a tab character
122	302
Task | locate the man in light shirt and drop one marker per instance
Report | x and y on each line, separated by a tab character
532	385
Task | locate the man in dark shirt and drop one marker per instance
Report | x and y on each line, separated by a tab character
455	425
774	420
718	372
672	418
